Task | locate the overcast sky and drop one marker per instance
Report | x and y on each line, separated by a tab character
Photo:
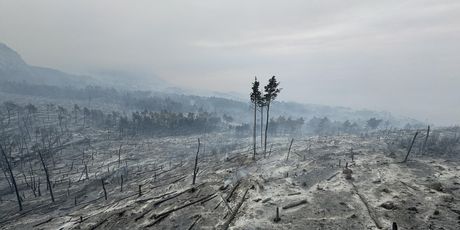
393	55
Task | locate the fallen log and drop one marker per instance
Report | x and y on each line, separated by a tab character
156	203
266	200
294	193
194	222
157	197
227	205
44	222
333	175
295	204
164	214
368	207
233	190
238	206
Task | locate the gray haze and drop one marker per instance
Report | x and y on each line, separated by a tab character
400	56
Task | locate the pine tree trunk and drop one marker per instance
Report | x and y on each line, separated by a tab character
266	127
261	126
254	131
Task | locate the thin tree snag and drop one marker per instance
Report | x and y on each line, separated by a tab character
395	226
426	139
295	204
195	169
368	207
86	172
233	215
270	151
121	183
140	190
46	174
119	155
289	151
410	147
103	188
12	178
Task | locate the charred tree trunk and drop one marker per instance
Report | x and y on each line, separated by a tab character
13	181
47	175
410	147
121	183
195	169
289	151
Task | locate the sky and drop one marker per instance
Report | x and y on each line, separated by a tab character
394	55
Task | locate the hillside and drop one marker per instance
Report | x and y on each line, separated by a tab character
100	181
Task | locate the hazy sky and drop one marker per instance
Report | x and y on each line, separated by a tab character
394	55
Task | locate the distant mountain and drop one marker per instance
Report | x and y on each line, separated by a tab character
14	68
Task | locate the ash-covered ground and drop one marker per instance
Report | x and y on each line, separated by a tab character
333	182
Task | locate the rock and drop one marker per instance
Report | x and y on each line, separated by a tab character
389	205
436	186
348	176
436	212
414	209
448	198
347	171
353	216
385	190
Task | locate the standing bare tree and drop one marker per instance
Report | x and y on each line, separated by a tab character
271	92
13	180
255	97
48	181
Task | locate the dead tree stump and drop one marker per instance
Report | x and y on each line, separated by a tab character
277	217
